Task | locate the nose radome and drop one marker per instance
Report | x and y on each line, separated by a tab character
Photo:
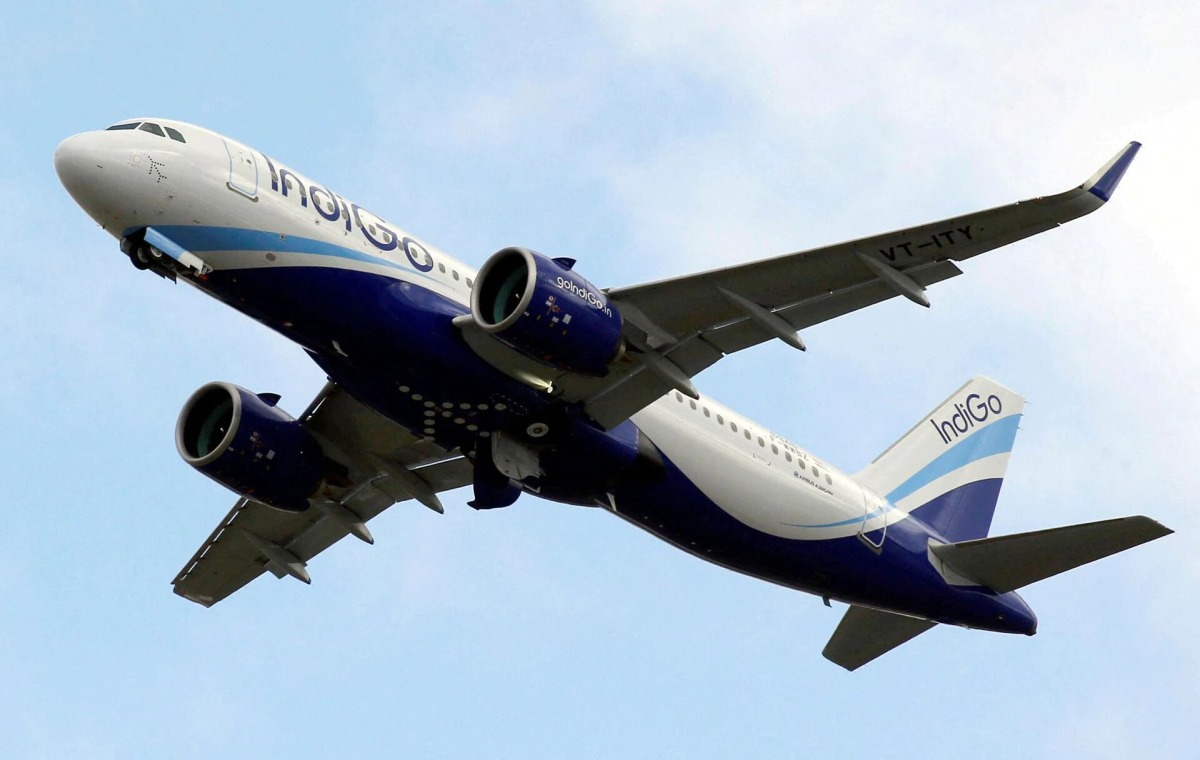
76	164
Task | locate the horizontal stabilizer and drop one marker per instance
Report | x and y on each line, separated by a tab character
866	633
1007	563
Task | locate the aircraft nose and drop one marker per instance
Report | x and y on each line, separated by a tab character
77	166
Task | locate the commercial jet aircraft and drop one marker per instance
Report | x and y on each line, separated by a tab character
525	377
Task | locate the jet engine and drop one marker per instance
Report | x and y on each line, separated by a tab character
541	308
242	441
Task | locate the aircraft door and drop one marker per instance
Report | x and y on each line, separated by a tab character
243	169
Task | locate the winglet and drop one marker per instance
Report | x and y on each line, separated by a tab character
1104	182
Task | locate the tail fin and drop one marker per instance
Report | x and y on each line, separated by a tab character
948	468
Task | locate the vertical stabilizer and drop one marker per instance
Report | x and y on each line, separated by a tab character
948	468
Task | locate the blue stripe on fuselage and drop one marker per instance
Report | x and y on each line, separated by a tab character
996	438
199	238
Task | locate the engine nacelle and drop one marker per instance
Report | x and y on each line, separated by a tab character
540	307
244	443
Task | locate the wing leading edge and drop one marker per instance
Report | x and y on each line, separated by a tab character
681	326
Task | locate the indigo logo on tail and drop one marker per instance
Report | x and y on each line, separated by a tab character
974	410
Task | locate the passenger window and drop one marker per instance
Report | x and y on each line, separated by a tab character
469	283
678	397
706	412
720	420
129	125
828	479
692	404
456	274
153	129
747	432
816	473
774	449
761	442
802	465
174	134
787	455
733	425
442	268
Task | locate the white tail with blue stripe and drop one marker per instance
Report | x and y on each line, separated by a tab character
948	468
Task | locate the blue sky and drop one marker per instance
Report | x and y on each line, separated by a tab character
645	140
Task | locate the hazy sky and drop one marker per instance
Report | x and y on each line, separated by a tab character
645	140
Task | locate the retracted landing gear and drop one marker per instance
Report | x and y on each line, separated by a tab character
149	249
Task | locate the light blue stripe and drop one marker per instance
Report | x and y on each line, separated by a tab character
851	521
996	438
202	238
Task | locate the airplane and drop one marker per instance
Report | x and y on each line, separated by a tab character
524	377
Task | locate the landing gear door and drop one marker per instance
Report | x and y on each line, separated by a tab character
243	169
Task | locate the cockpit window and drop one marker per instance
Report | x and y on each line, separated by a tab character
127	125
153	129
174	134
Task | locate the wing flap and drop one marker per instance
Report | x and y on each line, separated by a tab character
867	633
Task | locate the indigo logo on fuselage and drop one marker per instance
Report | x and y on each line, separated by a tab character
973	411
333	207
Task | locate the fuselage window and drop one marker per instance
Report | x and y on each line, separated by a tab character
469	283
774	449
455	274
679	397
174	135
442	268
720	420
761	442
747	432
153	129
130	125
706	412
733	425
802	465
828	479
692	404
787	455
816	473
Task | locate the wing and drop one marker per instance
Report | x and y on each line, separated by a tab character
385	463
676	328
